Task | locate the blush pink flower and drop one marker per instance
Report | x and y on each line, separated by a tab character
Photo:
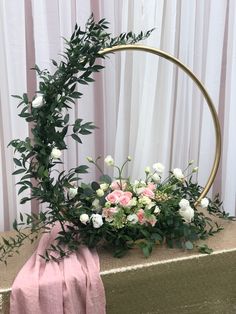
128	194
151	186
152	221
140	214
148	192
124	200
114	196
117	185
108	213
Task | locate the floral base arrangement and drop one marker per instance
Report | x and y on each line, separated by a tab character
117	213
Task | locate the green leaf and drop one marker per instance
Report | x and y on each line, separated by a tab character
76	95
14	225
106	179
30	119
54	62
21	217
17	162
146	251
5	241
25	98
16	96
76	138
66	118
205	249
24	200
22	189
19	171
156	237
188	245
95	186
81	169
88	192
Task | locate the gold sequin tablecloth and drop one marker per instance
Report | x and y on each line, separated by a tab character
171	281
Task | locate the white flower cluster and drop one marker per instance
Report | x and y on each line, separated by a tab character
186	211
95	218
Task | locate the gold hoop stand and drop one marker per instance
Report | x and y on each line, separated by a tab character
172	59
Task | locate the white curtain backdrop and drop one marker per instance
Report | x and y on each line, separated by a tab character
144	106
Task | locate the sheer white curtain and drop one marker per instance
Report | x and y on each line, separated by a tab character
145	107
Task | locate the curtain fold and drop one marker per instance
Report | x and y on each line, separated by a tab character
144	106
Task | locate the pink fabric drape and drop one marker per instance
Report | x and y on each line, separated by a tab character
72	286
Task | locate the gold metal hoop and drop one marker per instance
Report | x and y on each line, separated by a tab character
213	112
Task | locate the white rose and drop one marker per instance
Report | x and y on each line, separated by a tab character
183	203
132	202
157	210
144	200
158	167
147	170
72	193
178	173
97	220
38	102
139	190
187	213
156	178
109	160
100	192
96	203
204	203
104	186
84	218
55	153
132	218
149	206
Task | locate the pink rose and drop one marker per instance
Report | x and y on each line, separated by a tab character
124	200
114	196
152	221
140	214
128	194
151	186
148	192
116	185
108	213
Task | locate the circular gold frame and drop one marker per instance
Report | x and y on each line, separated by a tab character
174	60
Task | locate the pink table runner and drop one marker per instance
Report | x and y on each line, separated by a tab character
72	286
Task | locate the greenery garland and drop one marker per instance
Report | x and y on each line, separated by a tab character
83	209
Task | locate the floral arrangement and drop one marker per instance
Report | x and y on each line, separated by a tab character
117	213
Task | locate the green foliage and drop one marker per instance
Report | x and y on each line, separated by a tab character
50	128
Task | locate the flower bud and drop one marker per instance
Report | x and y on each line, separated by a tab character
178	173
84	218
38	102
104	186
72	193
100	192
204	202
158	167
55	153
109	160
90	159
